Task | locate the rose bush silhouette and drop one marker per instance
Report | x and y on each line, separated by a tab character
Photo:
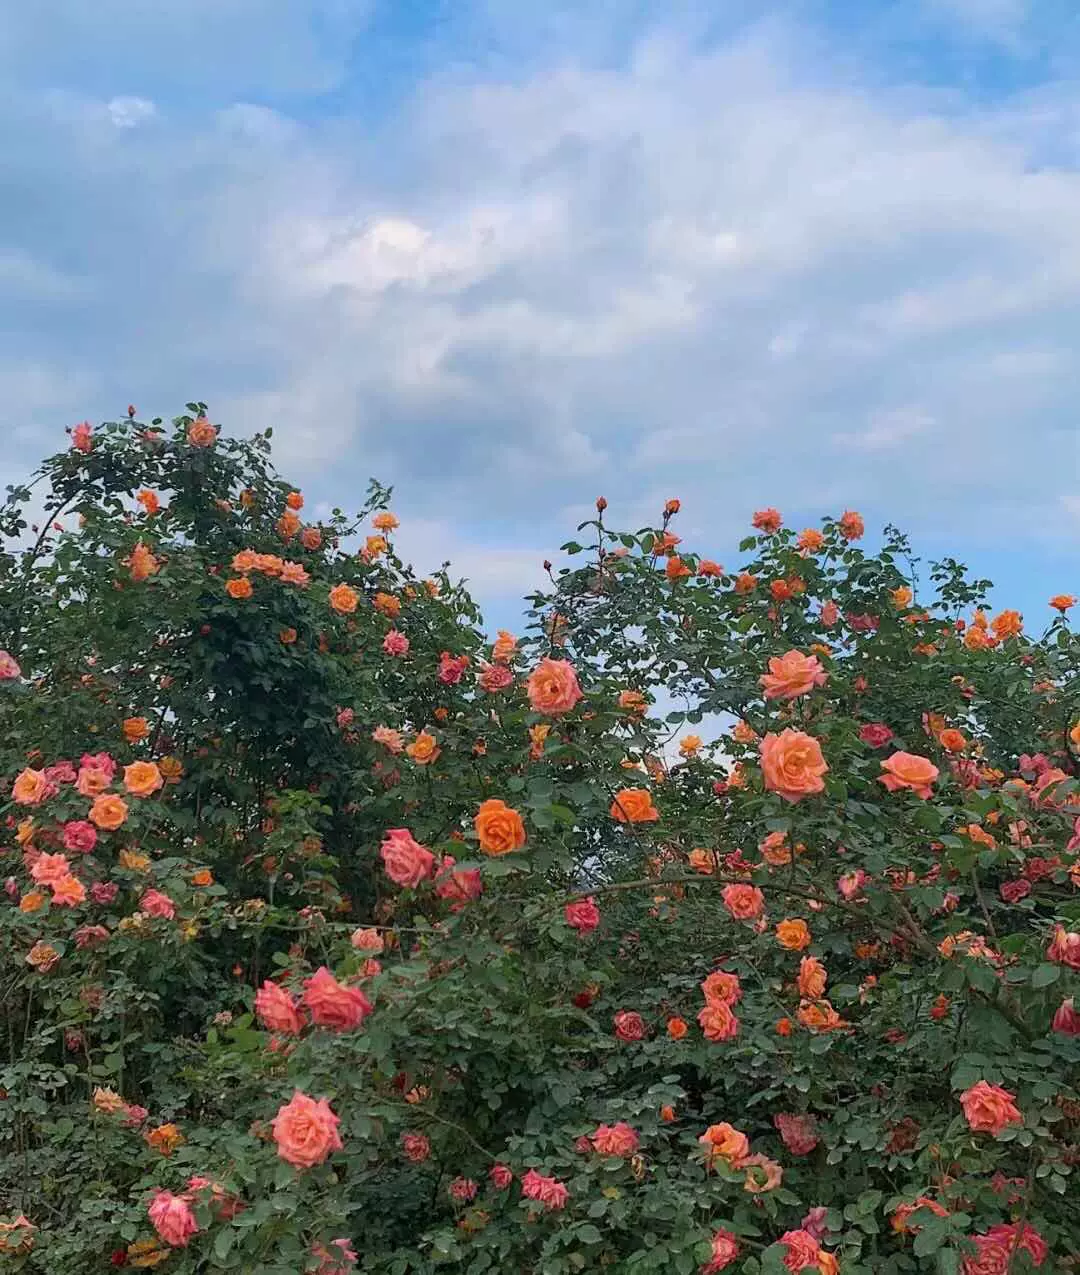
338	937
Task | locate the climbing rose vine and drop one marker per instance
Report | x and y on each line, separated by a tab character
722	919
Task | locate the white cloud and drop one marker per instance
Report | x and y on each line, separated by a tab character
888	429
130	112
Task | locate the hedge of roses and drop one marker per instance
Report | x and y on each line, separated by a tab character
723	920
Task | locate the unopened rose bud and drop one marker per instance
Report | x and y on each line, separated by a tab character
131	411
601	504
547	565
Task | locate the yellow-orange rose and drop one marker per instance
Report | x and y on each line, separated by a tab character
499	828
108	811
142	778
792	764
634	805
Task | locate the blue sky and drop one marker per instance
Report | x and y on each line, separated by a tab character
817	254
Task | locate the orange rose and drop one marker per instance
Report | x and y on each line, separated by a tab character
553	687
632	702
287	637
676	1028
201	433
287	525
851	525
149	501
294	500
1063	601
239	587
810	540
165	1138
172	769
499	828
203	877
819	1015
745	582
385	521
792	675
1007	624
724	1142
906	770
386	604
108	811
634	805
702	860
424	750
792	764
767	520
135	728
744	902
952	741
784	1027
722	986
142	778
718	1022
811	980
343	599
793	935
34	901
989	1108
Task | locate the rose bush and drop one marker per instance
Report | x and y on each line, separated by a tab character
339	937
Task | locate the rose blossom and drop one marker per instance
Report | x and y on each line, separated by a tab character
792	764
407	862
549	1191
618	1139
553	687
1066	1019
332	1004
907	770
501	1176
583	915
792	675
416	1147
157	904
306	1131
876	734
104	891
989	1108
277	1010
395	643
80	835
629	1025
725	1249
171	1216
798	1132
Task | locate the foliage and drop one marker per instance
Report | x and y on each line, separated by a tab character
618	998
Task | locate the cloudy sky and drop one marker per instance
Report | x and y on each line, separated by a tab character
816	254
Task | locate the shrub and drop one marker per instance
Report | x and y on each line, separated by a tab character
339	937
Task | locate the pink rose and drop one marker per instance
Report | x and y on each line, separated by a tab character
80	835
814	1222
407	862
104	891
416	1147
1065	948
583	915
1014	891
463	1190
495	677
306	1131
501	1176
548	1191
334	1005
876	734
345	718
367	940
91	936
798	1133
172	1218
451	668
99	761
629	1025
9	667
157	904
50	868
62	772
395	643
1066	1019
276	1009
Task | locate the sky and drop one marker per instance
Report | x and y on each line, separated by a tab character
814	254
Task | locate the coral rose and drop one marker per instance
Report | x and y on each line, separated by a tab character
792	675
989	1108
767	520
31	787
792	764
617	1139
499	829
407	862
553	687
68	892
395	643
332	1004
634	805
803	1250
744	902
108	811
306	1131
876	734
851	525
50	868
154	903
725	1249
277	1010
677	1028
142	779
722	986
201	433
172	1217
416	1147
717	1021
545	1190
367	940
906	770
